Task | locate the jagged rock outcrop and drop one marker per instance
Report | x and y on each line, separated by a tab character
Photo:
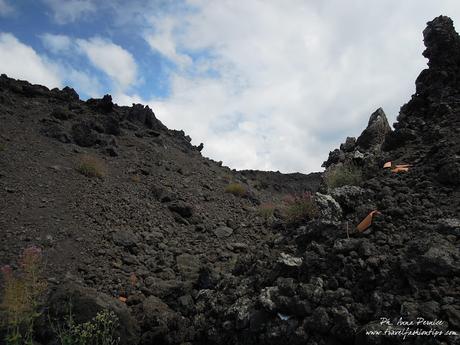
362	151
428	125
374	135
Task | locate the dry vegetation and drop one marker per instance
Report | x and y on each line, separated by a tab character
343	175
136	178
21	297
91	166
266	210
236	189
297	208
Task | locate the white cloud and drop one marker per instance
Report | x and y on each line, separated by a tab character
5	8
163	42
68	11
20	61
264	84
281	84
112	59
83	82
56	43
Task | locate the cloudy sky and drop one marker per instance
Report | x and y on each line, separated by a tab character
271	85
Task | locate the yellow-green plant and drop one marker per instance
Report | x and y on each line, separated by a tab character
297	208
21	297
266	210
92	166
343	175
99	331
236	189
136	178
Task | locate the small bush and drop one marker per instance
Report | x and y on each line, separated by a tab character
343	175
91	166
2	147
136	178
299	208
99	331
21	297
236	189
266	210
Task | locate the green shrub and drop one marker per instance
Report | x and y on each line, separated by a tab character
298	208
343	175
21	297
91	166
99	331
236	189
2	147
266	210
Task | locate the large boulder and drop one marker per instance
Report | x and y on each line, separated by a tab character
162	325
85	303
329	209
349	197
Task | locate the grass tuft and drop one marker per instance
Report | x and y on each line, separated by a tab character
91	166
343	175
298	208
266	210
98	331
236	189
136	178
21	297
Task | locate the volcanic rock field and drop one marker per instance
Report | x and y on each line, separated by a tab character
130	217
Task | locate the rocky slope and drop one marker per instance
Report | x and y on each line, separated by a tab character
198	265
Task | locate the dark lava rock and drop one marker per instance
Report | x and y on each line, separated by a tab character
374	134
442	43
111	151
450	226
335	157
112	126
35	90
162	194
182	208
61	114
189	267
223	231
162	324
104	105
69	94
125	238
85	303
83	135
348	145
274	282
145	116
344	324
56	131
449	173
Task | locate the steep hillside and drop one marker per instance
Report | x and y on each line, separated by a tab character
129	216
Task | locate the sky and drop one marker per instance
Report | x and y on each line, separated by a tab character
264	84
